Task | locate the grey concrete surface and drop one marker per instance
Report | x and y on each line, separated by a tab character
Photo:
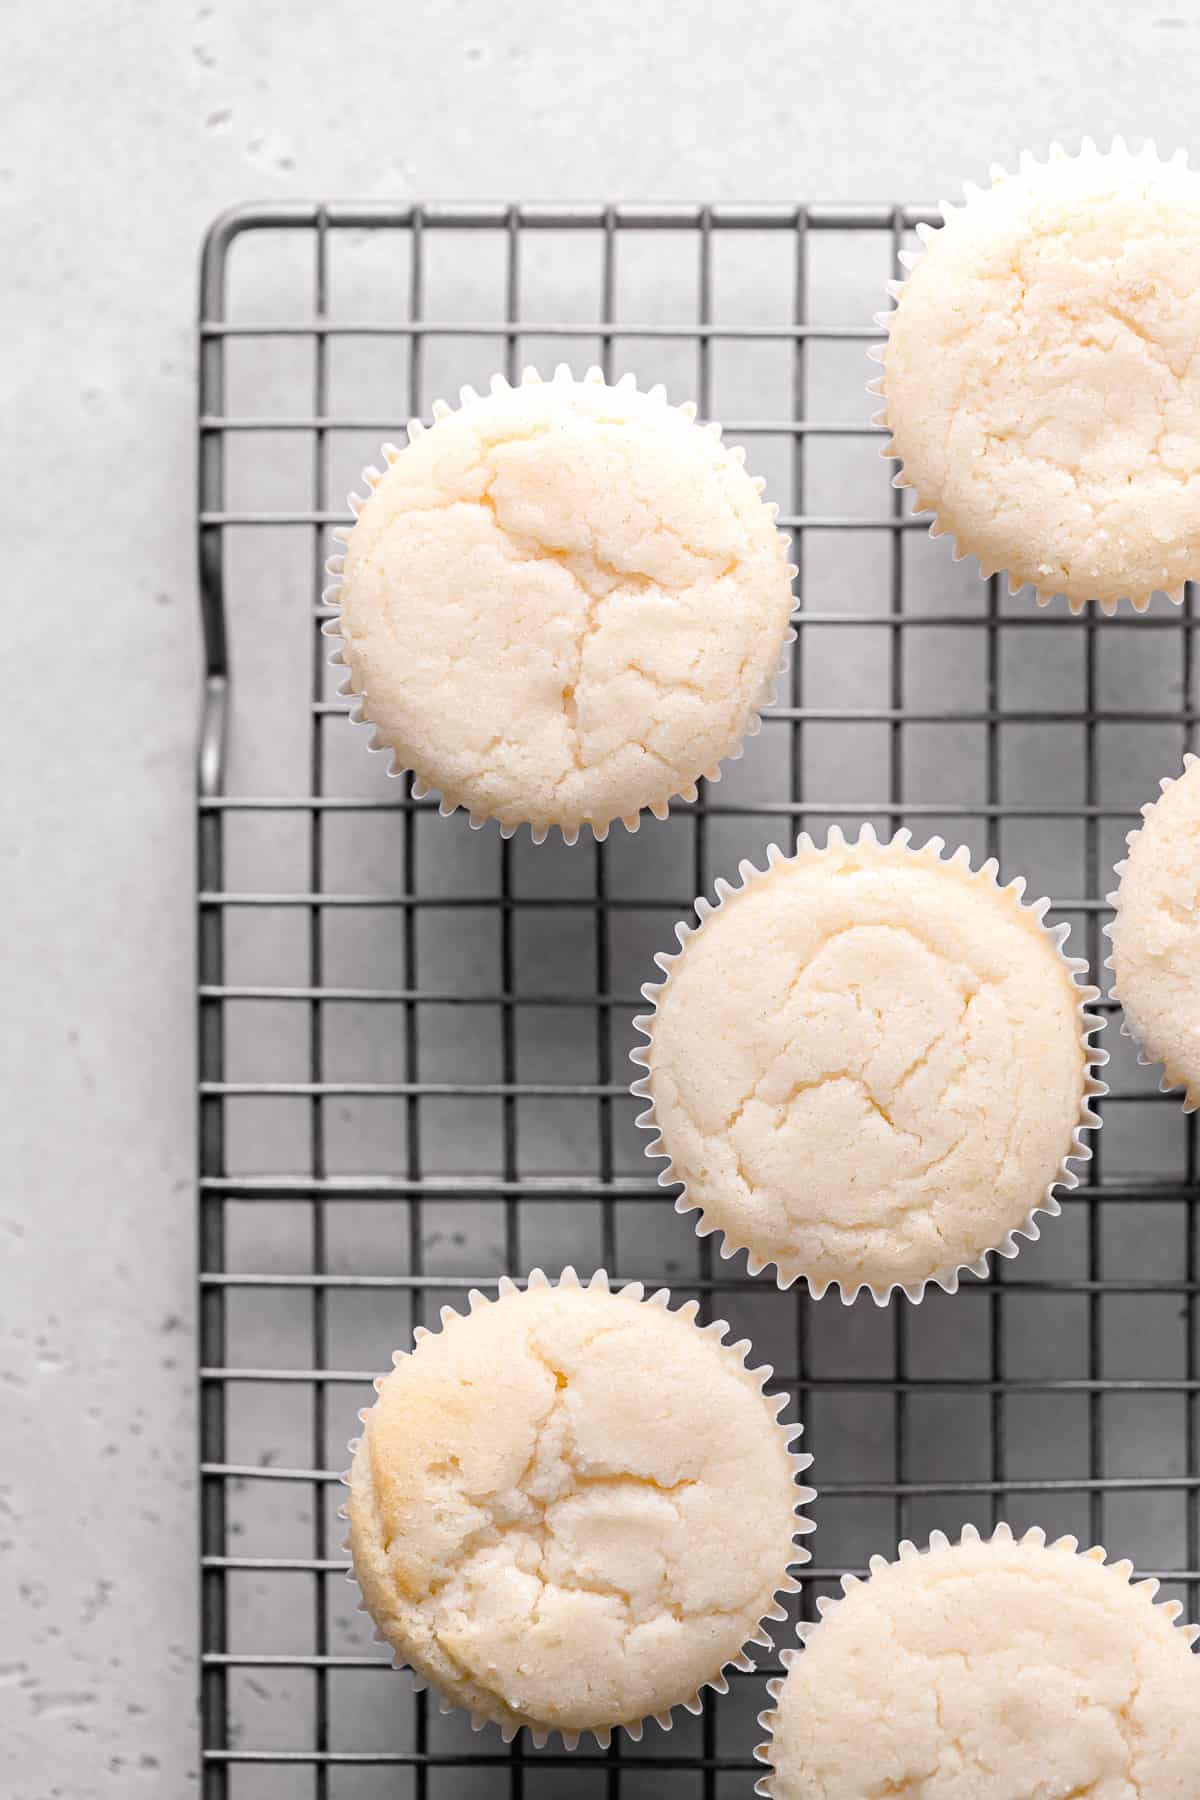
123	129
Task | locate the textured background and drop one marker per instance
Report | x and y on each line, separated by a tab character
123	129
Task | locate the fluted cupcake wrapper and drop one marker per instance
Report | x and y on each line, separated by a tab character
799	1461
1171	1081
450	801
970	1534
1146	157
947	1279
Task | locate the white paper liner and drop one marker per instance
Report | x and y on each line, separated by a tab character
946	1279
448	802
1146	157
804	1496
1170	1081
1002	1534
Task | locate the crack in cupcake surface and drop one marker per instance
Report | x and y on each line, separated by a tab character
1041	377
545	1569
999	1668
563	604
866	1065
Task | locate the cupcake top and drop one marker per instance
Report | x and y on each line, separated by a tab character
1156	933
564	603
867	1065
1001	1669
1042	387
569	1509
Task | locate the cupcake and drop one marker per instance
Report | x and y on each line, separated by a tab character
562	605
1040	377
570	1510
1010	1670
1156	934
869	1066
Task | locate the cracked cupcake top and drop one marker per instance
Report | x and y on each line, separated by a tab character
998	1669
1042	376
569	1509
563	604
1156	933
867	1065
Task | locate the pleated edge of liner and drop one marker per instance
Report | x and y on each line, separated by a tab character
907	1552
447	802
1093	1088
799	1461
1169	1081
1147	157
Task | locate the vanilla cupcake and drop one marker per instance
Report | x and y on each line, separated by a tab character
570	1510
992	1668
1156	933
1040	377
869	1066
562	605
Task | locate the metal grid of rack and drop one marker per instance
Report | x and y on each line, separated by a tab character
412	1038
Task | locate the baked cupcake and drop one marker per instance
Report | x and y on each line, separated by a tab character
570	1510
1001	1669
1040	377
562	605
869	1066
1156	933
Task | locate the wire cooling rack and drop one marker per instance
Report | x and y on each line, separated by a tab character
413	1038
